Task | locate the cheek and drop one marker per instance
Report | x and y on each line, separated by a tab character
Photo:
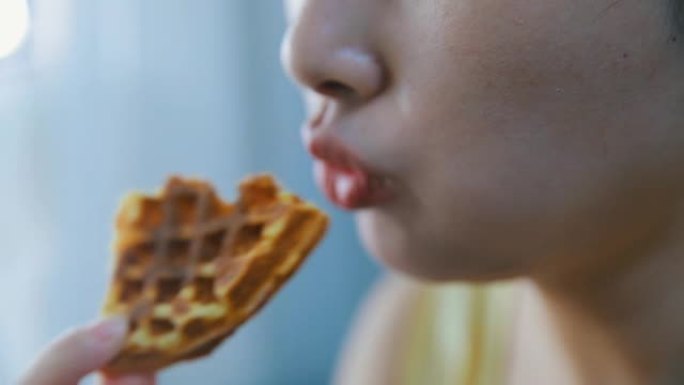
493	196
519	144
502	214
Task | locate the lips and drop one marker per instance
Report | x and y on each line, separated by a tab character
339	173
350	189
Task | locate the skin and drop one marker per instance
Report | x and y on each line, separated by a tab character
80	352
537	140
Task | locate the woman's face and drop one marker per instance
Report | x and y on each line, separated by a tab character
479	139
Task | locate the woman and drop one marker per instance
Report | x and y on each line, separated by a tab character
482	140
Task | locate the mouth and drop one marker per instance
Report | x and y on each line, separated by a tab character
345	180
351	189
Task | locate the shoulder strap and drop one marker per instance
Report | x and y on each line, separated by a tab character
461	335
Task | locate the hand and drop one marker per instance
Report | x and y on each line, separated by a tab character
80	352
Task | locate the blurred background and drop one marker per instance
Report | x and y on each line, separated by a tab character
98	97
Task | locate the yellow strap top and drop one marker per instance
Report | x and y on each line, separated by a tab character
461	335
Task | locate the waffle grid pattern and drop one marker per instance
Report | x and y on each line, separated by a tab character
190	268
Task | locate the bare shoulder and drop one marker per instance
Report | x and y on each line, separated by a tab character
373	352
405	331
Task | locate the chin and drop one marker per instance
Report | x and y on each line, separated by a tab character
429	258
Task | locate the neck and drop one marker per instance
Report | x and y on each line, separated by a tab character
623	324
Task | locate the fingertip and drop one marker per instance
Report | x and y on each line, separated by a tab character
78	352
109	330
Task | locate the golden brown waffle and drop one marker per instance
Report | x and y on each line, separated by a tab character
189	268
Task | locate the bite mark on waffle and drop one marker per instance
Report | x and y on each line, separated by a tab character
190	268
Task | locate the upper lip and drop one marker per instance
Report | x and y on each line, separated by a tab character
320	141
329	150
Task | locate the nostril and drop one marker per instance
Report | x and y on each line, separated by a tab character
334	89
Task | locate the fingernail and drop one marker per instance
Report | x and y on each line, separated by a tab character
109	329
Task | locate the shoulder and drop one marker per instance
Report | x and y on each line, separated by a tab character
406	330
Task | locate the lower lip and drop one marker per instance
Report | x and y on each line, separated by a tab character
351	189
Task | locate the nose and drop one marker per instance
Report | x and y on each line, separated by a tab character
329	49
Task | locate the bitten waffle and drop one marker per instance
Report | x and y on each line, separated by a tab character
190	268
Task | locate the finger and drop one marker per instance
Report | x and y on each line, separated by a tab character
77	353
144	379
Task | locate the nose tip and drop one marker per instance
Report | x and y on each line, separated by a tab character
338	71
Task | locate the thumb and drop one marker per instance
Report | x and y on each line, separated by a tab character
78	353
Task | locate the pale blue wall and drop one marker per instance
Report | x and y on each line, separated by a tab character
137	90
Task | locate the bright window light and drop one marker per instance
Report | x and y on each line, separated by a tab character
14	24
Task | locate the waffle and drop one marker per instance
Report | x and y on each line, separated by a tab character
190	268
